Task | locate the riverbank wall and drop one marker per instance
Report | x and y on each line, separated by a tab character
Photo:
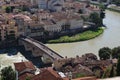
8	44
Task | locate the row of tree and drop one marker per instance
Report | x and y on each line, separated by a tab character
107	53
113	70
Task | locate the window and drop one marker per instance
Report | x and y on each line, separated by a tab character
28	27
20	29
12	32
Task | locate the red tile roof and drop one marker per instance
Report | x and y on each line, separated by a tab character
65	78
48	74
25	75
24	65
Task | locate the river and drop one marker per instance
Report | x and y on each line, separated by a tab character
110	38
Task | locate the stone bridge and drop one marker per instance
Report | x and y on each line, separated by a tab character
39	49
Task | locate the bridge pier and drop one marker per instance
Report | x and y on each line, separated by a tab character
36	51
28	47
47	59
20	42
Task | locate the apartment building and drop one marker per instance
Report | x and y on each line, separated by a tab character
22	21
8	30
12	30
34	29
68	20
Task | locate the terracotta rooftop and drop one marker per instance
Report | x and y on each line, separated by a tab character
25	17
48	74
25	75
58	16
24	65
65	78
93	8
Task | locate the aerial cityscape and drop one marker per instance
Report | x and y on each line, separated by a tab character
59	40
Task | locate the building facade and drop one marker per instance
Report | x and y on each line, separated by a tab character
53	5
8	31
2	33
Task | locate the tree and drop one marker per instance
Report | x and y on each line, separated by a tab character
102	7
118	67
8	9
102	16
102	13
112	72
27	78
25	8
12	8
116	52
84	18
80	11
95	18
8	73
106	73
105	53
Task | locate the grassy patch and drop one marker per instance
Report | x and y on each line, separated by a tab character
78	37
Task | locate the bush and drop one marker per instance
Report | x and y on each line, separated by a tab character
8	73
